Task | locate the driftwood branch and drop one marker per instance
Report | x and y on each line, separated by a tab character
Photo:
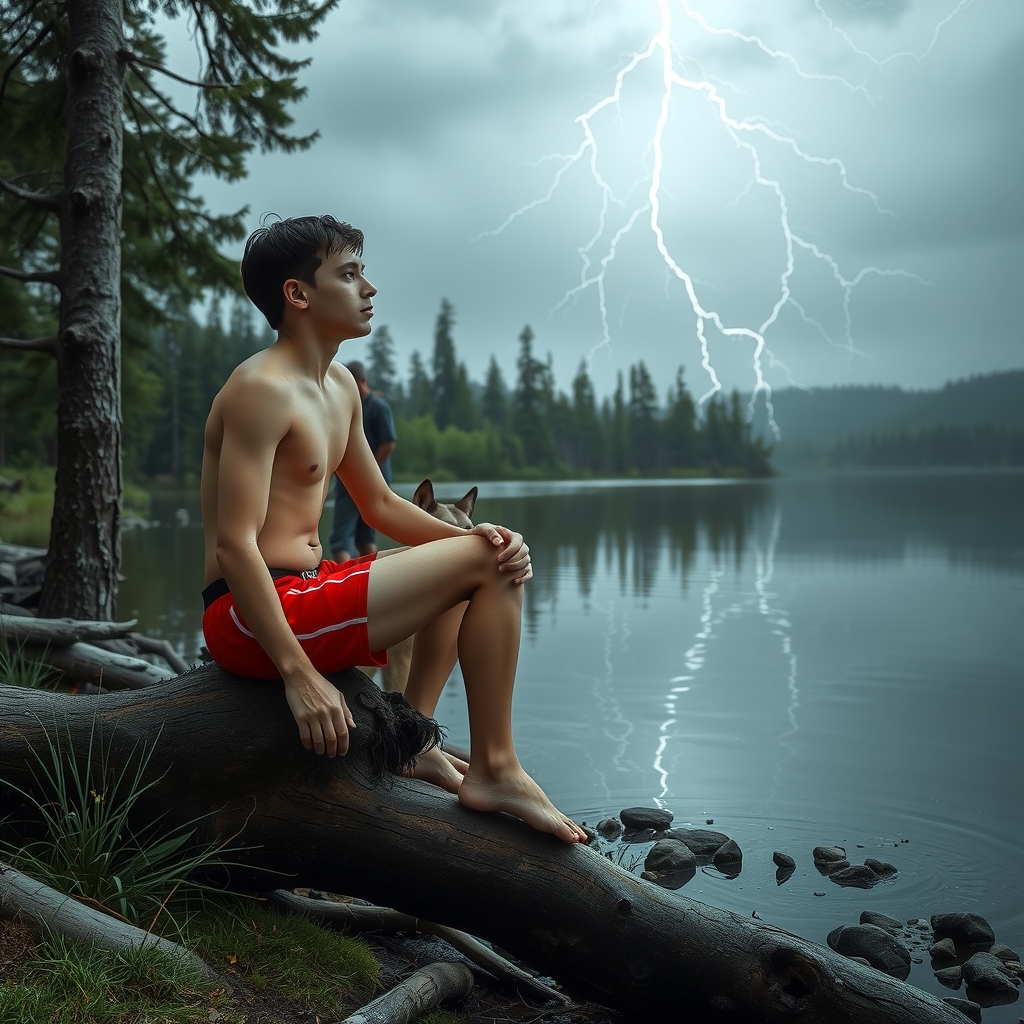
59	632
355	917
32	276
226	755
48	345
43	907
85	663
418	994
161	648
46	202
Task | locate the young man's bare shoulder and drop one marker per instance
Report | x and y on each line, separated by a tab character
258	386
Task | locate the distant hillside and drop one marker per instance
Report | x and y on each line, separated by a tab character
828	414
872	425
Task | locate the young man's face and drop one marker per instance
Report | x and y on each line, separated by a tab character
340	303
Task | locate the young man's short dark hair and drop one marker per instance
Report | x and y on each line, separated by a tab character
291	248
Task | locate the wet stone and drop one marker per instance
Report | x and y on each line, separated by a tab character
609	827
829	854
783	860
857	876
943	951
986	974
637	818
880	867
889	924
702	841
951	977
728	858
969	930
670	855
1005	954
644	835
875	945
972	1011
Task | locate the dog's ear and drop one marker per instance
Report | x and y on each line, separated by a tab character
424	496
468	502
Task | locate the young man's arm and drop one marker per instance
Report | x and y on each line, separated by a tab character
255	421
395	517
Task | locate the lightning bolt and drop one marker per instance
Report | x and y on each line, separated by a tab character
746	134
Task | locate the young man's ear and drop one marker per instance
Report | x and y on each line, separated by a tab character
295	293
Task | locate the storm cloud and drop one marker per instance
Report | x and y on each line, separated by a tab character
436	118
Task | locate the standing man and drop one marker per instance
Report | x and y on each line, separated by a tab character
350	536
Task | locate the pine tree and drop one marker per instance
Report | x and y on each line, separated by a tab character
444	365
680	426
528	412
587	425
382	370
420	397
644	440
495	397
465	414
618	430
101	203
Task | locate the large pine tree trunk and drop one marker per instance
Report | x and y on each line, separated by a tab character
227	749
85	541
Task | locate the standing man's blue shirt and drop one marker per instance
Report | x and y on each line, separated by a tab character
379	427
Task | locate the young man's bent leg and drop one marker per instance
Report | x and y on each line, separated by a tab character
415	587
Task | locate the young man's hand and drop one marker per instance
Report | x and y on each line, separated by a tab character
320	712
515	557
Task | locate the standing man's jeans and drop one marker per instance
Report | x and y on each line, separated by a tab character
348	532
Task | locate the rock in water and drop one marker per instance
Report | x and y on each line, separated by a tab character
670	855
972	1011
970	930
989	982
728	858
943	951
783	860
951	977
610	827
880	867
889	924
637	818
702	841
875	945
829	854
1005	954
859	876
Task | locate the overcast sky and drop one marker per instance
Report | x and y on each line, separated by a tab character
441	118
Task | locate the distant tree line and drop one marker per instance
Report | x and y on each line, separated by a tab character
944	445
450	425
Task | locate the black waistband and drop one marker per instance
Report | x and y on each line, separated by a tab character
218	588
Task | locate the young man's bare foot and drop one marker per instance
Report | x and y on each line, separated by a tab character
439	769
514	792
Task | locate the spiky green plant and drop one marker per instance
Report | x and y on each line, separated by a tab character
84	839
17	669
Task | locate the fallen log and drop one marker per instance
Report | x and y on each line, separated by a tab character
418	994
46	909
227	756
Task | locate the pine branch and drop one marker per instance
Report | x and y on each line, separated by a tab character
40	36
32	276
48	345
154	66
46	202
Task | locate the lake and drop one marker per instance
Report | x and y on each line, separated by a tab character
826	660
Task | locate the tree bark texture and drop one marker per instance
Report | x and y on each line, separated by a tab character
85	539
227	749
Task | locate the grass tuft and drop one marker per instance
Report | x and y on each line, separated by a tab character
16	669
83	838
323	971
74	983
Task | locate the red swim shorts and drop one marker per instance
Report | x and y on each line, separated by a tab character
325	608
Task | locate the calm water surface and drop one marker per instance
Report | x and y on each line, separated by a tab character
827	660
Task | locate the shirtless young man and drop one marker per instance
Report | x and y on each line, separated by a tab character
289	418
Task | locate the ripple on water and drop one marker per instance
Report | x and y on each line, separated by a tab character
942	865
